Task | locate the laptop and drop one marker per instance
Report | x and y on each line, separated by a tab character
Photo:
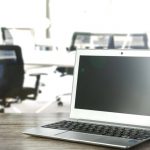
110	100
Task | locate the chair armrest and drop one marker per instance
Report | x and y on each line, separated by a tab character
37	74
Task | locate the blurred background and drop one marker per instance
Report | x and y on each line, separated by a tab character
50	31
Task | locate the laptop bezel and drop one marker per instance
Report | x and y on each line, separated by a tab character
102	116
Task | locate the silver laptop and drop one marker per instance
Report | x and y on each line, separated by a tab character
110	100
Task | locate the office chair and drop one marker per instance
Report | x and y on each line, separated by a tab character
12	77
6	36
140	38
64	72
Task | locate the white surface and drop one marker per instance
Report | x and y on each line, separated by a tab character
50	58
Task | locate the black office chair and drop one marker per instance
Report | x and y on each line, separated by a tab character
12	77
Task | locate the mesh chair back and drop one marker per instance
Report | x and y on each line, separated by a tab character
11	69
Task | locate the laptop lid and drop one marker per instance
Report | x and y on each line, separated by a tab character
112	86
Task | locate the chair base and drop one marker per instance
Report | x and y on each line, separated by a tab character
59	102
1	110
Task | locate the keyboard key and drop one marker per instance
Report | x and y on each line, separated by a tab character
128	133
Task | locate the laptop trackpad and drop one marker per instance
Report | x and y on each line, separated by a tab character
96	139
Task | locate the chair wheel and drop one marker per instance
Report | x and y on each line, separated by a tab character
1	110
7	105
60	103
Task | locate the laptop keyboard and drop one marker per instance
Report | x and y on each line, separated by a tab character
130	133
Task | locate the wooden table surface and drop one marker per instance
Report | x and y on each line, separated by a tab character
11	137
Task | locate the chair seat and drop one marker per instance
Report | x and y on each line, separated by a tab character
22	92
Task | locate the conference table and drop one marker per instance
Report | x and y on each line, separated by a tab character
12	138
50	58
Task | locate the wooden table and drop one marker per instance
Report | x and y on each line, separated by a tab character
11	137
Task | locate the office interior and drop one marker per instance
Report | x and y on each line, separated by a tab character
49	32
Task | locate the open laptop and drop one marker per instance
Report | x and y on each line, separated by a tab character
110	100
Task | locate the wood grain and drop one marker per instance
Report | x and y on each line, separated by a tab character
11	137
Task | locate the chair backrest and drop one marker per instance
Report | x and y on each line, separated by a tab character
86	40
7	36
11	68
131	41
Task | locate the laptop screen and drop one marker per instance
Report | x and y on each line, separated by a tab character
114	84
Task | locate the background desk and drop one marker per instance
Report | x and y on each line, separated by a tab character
63	59
11	138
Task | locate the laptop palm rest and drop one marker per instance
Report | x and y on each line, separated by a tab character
96	139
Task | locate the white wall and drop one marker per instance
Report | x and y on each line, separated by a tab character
24	14
68	16
131	14
76	15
